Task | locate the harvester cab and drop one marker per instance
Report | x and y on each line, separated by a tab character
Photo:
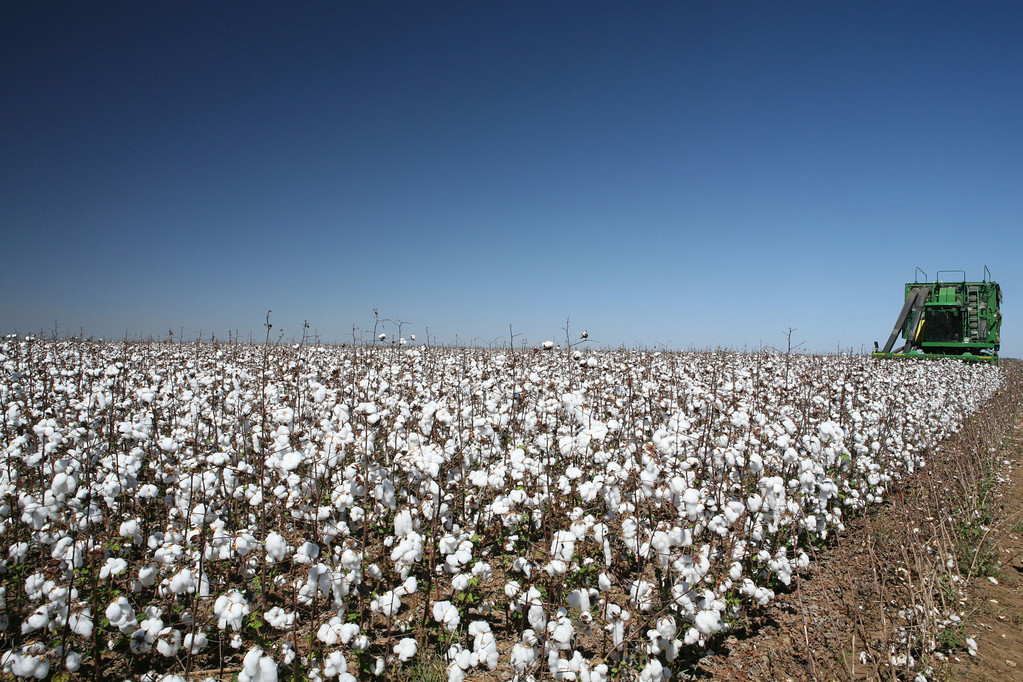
948	318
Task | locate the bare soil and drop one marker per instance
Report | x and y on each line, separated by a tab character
997	622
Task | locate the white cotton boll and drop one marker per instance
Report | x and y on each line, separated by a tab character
230	609
25	665
330	632
403	523
535	616
306	553
257	667
386	604
653	672
291	461
195	643
39	619
147	575
148	491
168	642
81	623
278	618
113	566
406	649
512	588
604	582
561	631
73	661
276	547
641	594
63	484
182	582
349	632
556	567
708	622
754	503
130	529
563	546
460	582
580	599
121	615
18	551
455	672
666	628
445	613
522	657
334	664
409	586
461	657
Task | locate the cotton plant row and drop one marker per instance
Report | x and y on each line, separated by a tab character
345	511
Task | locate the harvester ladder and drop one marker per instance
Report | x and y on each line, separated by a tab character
973	312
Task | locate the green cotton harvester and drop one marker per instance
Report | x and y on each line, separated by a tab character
948	318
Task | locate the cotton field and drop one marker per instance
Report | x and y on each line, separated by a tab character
187	511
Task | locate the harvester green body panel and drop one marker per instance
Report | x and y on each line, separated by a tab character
948	319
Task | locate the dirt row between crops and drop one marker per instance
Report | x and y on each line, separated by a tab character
889	570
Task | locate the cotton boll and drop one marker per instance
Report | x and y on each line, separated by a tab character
113	566
182	582
81	623
22	664
276	547
408	586
561	631
653	672
580	599
168	642
403	523
535	617
130	529
330	632
18	551
334	664
257	667
445	613
280	619
522	657
73	661
147	575
708	622
121	615
406	649
306	553
195	643
230	609
563	546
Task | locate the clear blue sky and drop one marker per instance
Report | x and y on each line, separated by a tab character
695	174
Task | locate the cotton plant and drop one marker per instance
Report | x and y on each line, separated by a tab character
341	477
